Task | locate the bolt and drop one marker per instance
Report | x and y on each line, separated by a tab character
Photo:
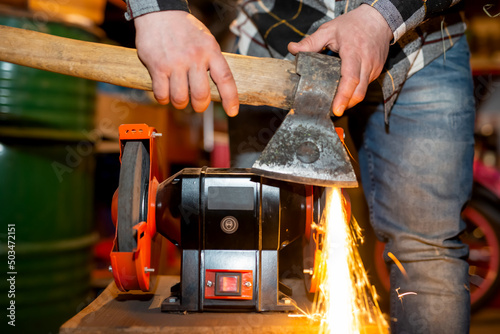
209	283
172	299
308	271
110	268
229	224
286	301
247	284
156	134
149	270
308	152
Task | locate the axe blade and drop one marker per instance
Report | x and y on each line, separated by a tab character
306	148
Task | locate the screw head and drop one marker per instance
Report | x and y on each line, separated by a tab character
209	283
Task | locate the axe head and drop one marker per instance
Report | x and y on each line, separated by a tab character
306	148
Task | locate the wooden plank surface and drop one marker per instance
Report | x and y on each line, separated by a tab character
117	312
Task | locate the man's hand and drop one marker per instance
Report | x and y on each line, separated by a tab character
178	50
362	38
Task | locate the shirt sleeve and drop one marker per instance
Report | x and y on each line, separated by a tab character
137	8
405	15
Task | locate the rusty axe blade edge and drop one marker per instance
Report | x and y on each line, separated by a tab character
307	150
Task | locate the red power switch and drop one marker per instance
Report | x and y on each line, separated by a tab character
229	284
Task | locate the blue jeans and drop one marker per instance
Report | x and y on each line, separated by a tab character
417	176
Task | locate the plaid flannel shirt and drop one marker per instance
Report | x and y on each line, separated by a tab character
423	29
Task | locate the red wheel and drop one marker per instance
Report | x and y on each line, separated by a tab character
482	236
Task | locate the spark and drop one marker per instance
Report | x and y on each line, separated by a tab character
346	301
401	295
398	264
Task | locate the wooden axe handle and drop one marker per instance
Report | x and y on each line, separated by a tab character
260	81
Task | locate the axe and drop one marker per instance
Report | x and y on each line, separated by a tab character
305	148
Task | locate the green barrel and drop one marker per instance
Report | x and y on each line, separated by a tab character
45	100
46	190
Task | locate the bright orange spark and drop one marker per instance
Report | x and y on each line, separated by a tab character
346	300
398	264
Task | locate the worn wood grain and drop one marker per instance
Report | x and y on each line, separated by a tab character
260	81
117	312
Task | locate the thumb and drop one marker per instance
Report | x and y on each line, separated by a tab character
311	43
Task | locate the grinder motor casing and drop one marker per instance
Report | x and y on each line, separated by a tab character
231	226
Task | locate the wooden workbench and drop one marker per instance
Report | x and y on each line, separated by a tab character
117	312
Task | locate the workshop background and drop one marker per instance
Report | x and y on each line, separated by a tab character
59	159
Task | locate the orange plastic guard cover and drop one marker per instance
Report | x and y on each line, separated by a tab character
131	270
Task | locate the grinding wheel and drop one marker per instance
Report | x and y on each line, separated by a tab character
313	240
132	194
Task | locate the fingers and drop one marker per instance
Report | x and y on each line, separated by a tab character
178	55
353	84
359	93
179	96
312	43
192	82
200	88
223	78
354	78
160	87
180	86
362	38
